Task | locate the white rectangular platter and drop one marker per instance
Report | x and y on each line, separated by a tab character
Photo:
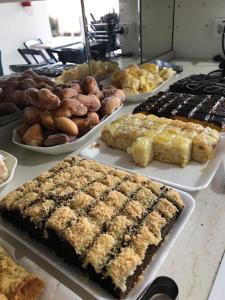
68	147
54	290
193	177
87	284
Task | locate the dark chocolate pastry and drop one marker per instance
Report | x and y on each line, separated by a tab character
208	110
200	84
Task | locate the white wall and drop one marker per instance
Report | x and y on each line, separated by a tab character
157	27
129	19
193	32
18	24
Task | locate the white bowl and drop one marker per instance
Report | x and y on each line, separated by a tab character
63	148
11	163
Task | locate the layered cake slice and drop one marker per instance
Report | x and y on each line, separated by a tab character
110	227
166	140
207	110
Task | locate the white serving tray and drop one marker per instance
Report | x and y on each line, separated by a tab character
89	285
64	148
143	96
11	163
195	176
54	290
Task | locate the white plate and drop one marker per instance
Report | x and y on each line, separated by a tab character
64	148
143	96
193	177
54	290
87	284
11	163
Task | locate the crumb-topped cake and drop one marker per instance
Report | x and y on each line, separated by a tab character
207	110
149	137
15	282
107	221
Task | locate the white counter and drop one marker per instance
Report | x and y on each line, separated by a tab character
195	258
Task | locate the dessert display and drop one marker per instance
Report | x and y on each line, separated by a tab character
207	110
149	137
107	221
66	112
200	84
143	78
15	282
13	91
4	173
98	69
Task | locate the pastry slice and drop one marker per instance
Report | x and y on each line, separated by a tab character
15	282
172	148
142	151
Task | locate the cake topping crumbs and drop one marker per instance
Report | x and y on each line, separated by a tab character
143	239
101	212
96	189
111	181
133	210
98	254
38	212
166	208
81	201
127	187
81	234
119	226
10	199
115	199
25	201
123	266
78	182
60	218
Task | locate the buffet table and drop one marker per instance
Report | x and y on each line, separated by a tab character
194	260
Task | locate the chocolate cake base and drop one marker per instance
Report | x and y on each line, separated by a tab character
66	251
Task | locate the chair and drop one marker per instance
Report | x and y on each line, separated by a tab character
67	55
53	54
27	54
30	43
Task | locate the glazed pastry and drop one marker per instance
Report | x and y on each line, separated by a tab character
66	125
66	92
22	128
56	139
47	119
114	92
84	124
108	105
32	115
47	100
33	136
70	107
91	102
15	282
106	221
